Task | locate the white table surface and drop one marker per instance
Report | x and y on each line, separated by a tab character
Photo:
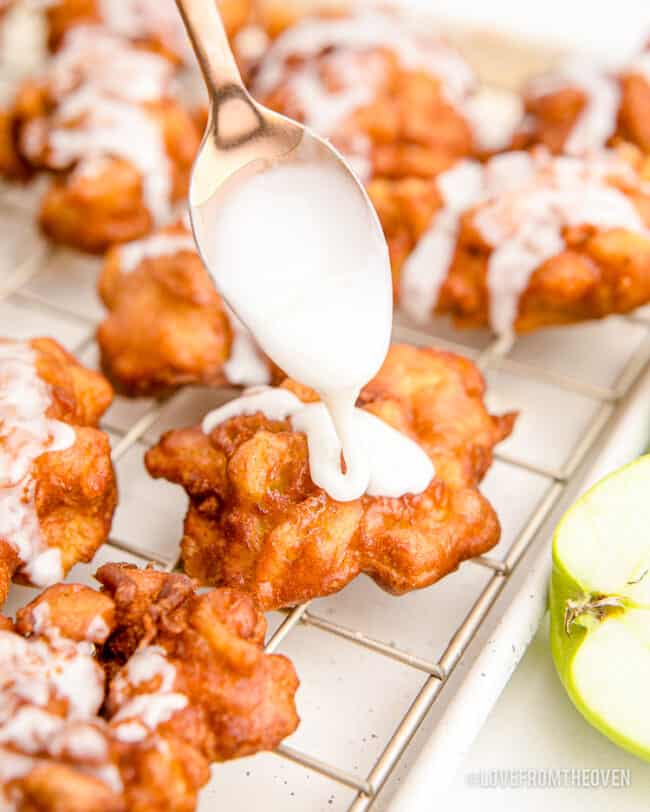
535	725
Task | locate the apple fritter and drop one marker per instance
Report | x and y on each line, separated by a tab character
155	24
193	338
57	486
388	94
582	107
256	520
242	698
102	119
523	241
119	700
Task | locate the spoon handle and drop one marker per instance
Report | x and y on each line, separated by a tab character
210	42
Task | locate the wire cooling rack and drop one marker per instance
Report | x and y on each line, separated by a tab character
568	383
372	667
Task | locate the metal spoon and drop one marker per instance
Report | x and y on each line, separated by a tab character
243	137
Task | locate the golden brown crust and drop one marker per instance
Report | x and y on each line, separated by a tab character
551	117
235	699
92	212
406	208
29	103
62	15
634	112
74	608
215	642
61	788
599	273
187	342
80	396
408	130
75	490
256	520
92	205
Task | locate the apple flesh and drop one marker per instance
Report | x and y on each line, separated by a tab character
600	606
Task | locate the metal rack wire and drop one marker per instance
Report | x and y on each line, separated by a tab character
438	669
493	357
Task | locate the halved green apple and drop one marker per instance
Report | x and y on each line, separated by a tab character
600	606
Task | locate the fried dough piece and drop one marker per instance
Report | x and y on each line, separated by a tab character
389	95
406	209
29	103
581	108
57	486
256	520
152	23
192	339
214	641
184	682
102	119
56	753
524	241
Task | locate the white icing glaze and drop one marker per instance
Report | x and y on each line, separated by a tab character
597	121
34	673
640	66
30	729
274	403
426	268
250	43
322	303
148	709
130	732
41	620
80	740
527	200
157	245
101	83
494	116
109	774
145	19
35	670
246	365
97	630
351	38
92	55
148	663
152	709
13	765
25	433
396	464
525	224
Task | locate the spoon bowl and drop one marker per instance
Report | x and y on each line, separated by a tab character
243	138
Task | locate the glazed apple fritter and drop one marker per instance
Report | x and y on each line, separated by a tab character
215	641
153	23
582	107
57	487
102	118
389	95
119	700
256	521
524	241
193	339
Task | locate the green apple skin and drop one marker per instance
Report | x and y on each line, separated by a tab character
564	647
